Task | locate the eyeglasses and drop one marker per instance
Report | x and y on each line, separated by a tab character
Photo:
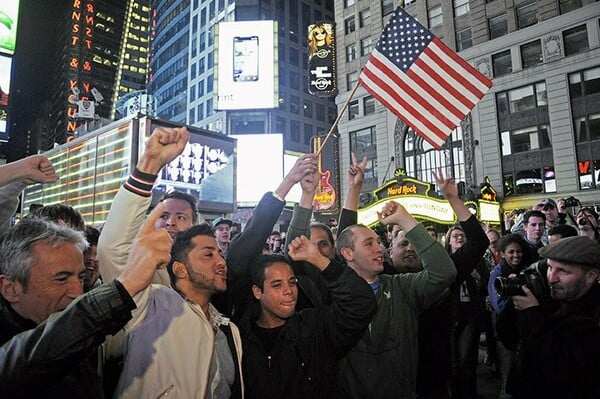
320	32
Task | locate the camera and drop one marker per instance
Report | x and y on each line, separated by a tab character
533	277
572	202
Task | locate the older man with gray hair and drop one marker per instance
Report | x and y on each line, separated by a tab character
49	332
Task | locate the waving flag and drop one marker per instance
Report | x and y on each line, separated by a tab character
422	81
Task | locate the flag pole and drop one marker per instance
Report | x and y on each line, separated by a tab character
337	120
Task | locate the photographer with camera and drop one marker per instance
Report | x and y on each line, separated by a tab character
560	338
587	223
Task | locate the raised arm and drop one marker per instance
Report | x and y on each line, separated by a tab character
353	304
14	176
128	209
438	269
355	177
467	257
302	214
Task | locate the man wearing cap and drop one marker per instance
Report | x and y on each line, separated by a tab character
560	340
222	233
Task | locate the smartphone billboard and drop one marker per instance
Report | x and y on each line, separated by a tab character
246	56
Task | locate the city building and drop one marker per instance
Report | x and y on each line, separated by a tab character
535	134
184	69
99	52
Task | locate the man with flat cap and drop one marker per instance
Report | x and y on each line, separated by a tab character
559	354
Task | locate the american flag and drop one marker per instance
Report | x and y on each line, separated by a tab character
422	81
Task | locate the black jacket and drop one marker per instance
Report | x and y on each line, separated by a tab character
560	350
58	358
302	362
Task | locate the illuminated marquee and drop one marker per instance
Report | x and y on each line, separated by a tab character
80	66
415	196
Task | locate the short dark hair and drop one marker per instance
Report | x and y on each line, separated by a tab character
61	212
564	230
183	245
92	235
326	229
345	239
511	239
529	214
185	197
257	270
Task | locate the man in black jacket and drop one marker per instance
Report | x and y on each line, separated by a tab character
560	339
294	355
48	335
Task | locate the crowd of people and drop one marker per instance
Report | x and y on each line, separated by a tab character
156	304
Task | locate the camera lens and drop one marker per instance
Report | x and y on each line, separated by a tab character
582	222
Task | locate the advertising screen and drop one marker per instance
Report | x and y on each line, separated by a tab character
9	16
5	68
247	61
205	169
260	166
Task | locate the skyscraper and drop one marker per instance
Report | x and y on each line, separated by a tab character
183	68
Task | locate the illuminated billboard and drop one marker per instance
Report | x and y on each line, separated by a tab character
246	54
5	68
258	171
9	16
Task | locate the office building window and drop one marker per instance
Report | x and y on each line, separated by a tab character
280	125
364	17
498	26
192	93
349	25
434	16
209	83
363	143
366	46
295	131
368	105
408	2
307	133
320	112
201	88
464	39
569	5
584	90
531	54
421	159
522	99
294	80
294	104
526	15
576	40
201	66
526	148
387	7
192	117
461	7
200	112
584	83
348	3
209	107
307	106
351	80
294	59
351	52
501	63
353	110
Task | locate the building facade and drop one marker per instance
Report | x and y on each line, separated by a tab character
535	134
183	68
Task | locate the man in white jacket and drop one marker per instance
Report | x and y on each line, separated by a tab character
177	344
